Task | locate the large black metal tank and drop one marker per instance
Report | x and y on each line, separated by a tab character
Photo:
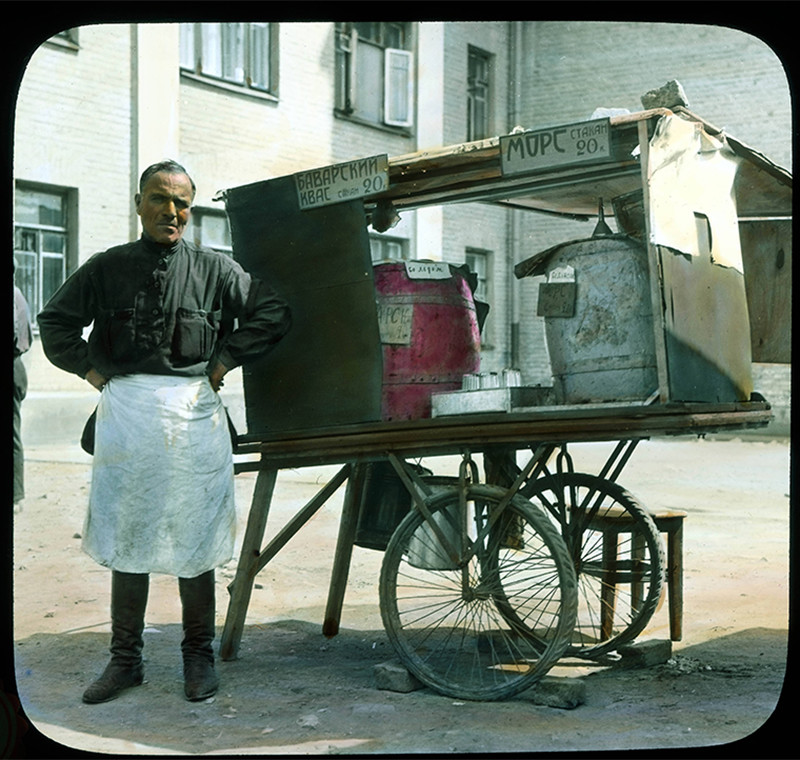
328	369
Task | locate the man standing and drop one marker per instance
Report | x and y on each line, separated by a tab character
23	337
164	335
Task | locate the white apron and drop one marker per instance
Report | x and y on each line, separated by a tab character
161	498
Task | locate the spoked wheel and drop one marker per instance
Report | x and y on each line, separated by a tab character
440	609
617	553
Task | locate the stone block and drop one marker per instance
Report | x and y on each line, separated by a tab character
393	676
668	96
645	654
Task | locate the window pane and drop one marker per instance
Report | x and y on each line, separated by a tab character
24	240
368	30
52	276
394	36
259	56
382	248
25	278
369	81
211	55
477	262
233	52
54	242
398	76
394	250
478	95
187	46
36	207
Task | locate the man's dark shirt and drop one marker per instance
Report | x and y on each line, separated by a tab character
160	310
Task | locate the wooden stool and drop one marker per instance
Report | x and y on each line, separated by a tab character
669	522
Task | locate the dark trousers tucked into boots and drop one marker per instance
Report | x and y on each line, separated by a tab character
128	602
198	602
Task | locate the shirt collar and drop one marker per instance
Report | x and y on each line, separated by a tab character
158	249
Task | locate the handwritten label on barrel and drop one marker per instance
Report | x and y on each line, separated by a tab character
584	142
428	270
394	322
342	182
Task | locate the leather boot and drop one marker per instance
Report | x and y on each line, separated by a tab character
128	602
198	602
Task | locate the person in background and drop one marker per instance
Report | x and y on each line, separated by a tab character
170	320
23	337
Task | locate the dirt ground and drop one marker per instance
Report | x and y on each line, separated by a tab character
292	691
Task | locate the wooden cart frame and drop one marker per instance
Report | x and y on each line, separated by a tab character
475	172
540	431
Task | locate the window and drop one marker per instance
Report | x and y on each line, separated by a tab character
241	54
40	244
374	73
478	94
382	248
210	229
480	262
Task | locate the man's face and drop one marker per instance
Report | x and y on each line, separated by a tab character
164	206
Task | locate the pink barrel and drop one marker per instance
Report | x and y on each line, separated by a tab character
430	336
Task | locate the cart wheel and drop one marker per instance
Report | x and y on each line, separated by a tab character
441	612
617	552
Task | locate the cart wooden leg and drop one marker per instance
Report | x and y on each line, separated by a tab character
675	579
344	549
242	585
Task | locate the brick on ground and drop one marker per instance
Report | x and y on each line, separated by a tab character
645	654
392	676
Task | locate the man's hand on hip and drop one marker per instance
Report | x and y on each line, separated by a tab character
96	379
216	374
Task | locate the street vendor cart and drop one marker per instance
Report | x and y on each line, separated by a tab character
494	572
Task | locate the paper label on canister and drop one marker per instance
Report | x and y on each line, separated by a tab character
562	274
394	323
428	270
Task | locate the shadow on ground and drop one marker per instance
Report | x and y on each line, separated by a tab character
293	691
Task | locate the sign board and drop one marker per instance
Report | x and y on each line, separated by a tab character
342	182
428	270
584	142
557	296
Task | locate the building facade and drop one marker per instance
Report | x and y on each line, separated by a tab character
242	102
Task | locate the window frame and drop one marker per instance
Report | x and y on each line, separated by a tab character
486	87
192	55
67	230
394	89
485	289
379	245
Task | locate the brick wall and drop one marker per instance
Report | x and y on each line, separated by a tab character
73	129
731	79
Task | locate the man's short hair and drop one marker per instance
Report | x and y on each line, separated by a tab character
168	166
